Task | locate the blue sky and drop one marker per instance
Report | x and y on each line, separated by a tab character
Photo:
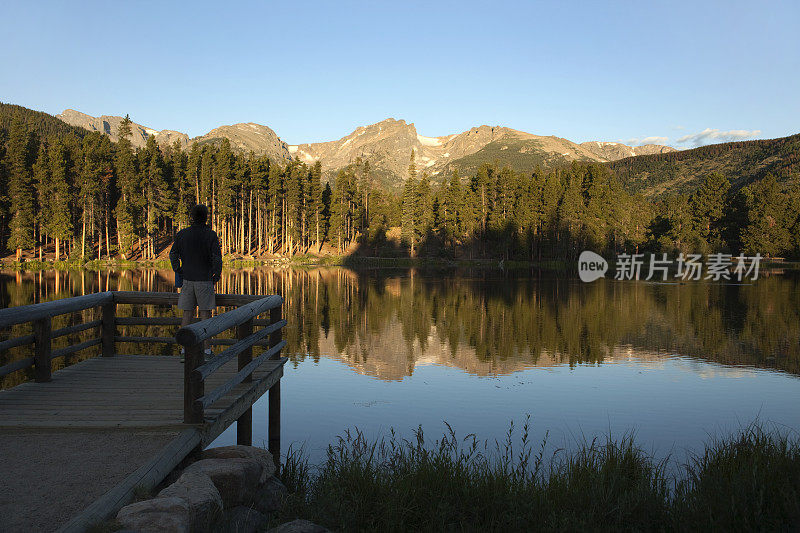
684	73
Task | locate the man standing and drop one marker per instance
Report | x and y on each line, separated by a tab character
196	257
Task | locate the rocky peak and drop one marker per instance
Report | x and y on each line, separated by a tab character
249	137
109	125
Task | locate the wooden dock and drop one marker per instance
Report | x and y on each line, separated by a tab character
106	426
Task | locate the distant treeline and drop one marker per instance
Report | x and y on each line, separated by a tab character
82	196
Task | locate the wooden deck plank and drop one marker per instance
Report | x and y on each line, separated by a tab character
122	391
138	394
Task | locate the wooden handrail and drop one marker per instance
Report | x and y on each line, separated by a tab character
211	397
240	346
192	337
200	331
16	341
162	321
14	366
11	316
171	298
77	328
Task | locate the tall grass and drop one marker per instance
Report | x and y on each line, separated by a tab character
749	481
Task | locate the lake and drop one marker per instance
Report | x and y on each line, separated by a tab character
399	348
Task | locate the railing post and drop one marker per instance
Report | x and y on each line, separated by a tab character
192	384
274	422
41	331
108	329
244	424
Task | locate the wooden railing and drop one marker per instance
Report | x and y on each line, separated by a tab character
192	337
41	316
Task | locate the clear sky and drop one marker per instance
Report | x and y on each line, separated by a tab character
682	73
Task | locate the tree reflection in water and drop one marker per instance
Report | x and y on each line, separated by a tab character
386	322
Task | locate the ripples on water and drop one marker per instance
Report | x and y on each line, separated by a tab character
382	348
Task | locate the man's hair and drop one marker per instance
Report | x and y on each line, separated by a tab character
199	214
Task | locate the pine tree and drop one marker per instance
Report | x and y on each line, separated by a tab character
59	223
409	208
708	206
314	202
275	194
42	184
767	230
182	183
423	209
340	211
20	190
127	179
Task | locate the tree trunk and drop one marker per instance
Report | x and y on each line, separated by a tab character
83	236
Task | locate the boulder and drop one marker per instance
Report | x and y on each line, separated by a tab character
242	520
236	479
197	489
270	496
298	526
244	452
162	515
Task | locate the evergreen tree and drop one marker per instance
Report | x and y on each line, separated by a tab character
20	190
708	205
126	210
59	223
767	229
314	203
339	211
409	209
423	209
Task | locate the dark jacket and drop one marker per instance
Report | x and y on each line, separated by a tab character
195	254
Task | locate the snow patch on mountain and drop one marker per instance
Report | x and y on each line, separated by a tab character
428	141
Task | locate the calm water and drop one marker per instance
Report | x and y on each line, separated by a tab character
397	348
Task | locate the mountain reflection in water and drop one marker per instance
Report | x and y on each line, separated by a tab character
386	323
477	348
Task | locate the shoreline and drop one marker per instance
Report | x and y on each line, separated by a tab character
296	262
355	262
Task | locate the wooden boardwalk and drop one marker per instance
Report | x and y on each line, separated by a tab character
76	444
126	391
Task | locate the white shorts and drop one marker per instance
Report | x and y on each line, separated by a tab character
197	294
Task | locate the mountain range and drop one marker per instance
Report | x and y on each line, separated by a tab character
388	146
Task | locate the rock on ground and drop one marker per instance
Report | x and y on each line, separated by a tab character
241	520
236	479
159	515
197	489
298	526
271	496
244	452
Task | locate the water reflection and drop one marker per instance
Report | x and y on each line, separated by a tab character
478	348
389	323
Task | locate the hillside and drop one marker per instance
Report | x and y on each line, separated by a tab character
522	155
679	172
41	123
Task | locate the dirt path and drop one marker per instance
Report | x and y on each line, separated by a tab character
71	469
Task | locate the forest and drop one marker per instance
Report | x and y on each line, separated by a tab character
73	194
